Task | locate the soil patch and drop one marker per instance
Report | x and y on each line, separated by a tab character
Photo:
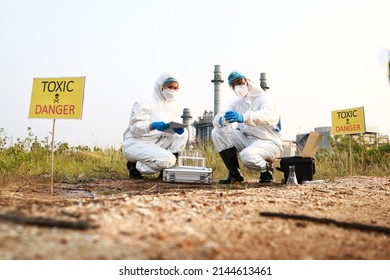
152	219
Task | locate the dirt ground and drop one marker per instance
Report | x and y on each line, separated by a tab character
156	220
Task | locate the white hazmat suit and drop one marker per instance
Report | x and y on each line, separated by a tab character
153	150
257	139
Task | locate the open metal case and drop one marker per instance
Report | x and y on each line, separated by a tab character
190	169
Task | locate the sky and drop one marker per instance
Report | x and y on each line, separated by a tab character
319	56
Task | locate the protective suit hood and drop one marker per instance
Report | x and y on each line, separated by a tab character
159	85
254	89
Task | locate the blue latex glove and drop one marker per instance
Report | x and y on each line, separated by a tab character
220	122
233	116
278	126
179	130
161	126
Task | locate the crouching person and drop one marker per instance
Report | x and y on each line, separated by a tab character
250	126
147	146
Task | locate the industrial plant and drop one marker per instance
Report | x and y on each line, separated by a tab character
200	129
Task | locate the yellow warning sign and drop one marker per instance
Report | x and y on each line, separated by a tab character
57	98
348	121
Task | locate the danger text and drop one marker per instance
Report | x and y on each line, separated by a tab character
347	128
54	109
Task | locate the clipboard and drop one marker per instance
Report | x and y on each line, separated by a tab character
174	125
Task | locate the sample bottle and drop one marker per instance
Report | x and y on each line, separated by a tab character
292	178
225	122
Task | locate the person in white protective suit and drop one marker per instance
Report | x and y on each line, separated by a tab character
147	146
251	126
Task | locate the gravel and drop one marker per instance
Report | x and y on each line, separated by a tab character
152	219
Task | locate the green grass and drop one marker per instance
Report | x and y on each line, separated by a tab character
366	160
30	159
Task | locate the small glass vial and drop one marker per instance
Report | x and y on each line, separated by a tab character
292	178
225	122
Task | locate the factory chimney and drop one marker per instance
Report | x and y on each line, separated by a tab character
263	81
217	88
186	116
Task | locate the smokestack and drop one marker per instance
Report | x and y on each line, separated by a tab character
263	81
217	88
187	120
186	116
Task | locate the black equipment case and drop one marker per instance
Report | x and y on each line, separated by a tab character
304	167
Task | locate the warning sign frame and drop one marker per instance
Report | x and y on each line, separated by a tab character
57	98
348	121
